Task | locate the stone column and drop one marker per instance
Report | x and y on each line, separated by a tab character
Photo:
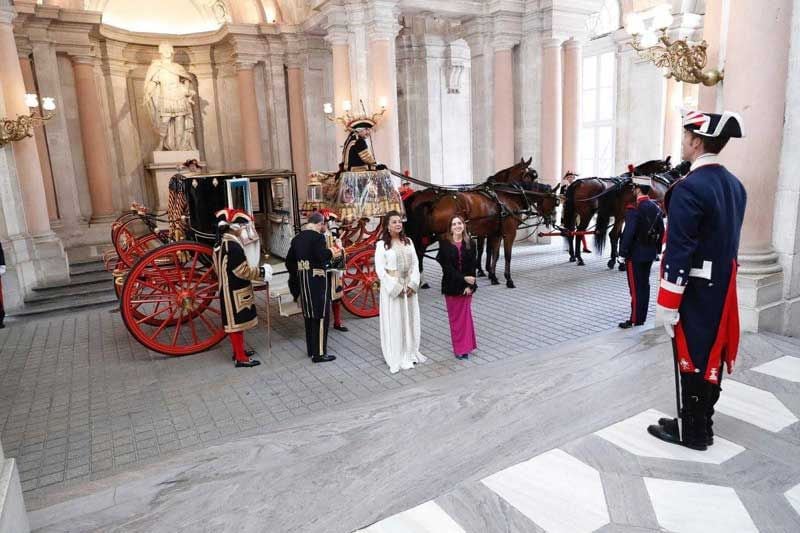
503	102
673	129
340	49
786	231
477	35
529	95
58	141
551	112
297	125
755	31
248	107
210	145
382	31
94	138
41	142
716	13
45	250
571	116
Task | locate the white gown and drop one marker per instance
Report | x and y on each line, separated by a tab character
397	269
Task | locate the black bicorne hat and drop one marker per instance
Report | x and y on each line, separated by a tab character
728	124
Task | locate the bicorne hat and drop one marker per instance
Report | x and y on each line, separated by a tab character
228	216
360	122
728	124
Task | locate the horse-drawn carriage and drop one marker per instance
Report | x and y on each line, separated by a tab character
165	279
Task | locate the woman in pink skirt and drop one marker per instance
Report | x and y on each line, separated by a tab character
459	263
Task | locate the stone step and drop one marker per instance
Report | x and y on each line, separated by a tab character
66	304
66	292
84	267
86	278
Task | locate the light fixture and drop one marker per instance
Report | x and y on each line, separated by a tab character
327	108
347	106
22	126
349	118
681	60
382	102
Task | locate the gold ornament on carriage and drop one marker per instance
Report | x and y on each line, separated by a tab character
680	59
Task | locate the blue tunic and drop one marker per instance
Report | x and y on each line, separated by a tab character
705	214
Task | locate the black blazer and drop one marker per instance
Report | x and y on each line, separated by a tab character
453	283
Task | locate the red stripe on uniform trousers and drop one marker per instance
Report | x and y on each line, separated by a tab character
632	287
727	340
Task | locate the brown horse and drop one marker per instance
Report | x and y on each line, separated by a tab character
421	201
608	198
493	212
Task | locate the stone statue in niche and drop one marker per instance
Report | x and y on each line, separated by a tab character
169	97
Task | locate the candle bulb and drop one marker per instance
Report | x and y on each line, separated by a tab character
346	105
31	100
382	102
48	103
328	108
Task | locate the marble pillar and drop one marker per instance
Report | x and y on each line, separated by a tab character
482	100
755	31
386	137
529	92
93	135
248	109
58	142
41	142
715	23
673	124
571	116
297	127
280	145
340	51
211	143
551	112
34	254
503	102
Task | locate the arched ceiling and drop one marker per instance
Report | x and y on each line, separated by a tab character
180	17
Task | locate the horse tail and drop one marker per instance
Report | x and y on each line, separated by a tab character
601	225
568	215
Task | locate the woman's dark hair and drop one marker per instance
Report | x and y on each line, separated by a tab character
466	236
386	237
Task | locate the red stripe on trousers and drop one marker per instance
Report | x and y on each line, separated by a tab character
632	287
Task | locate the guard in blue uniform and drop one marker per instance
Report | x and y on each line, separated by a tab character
640	244
697	298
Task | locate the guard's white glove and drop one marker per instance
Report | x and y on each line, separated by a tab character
2	269
266	268
668	318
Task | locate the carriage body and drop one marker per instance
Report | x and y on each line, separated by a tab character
165	279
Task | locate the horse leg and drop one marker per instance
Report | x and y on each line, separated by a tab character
571	247
508	244
579	238
613	237
493	251
479	252
420	248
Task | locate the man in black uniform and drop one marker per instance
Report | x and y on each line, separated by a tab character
2	273
640	244
236	260
357	156
307	262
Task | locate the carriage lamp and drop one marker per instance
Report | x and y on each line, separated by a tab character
278	193
22	126
314	191
680	59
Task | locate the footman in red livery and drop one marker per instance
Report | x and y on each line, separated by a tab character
697	296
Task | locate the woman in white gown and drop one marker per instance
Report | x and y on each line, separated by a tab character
397	268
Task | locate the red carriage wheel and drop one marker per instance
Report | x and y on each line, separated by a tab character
169	301
360	285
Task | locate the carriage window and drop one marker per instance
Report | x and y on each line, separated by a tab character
598	110
239	194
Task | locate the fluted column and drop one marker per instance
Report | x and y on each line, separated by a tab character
715	14
673	130
758	30
93	136
26	155
41	142
571	116
340	50
297	125
381	34
248	107
551	111
503	102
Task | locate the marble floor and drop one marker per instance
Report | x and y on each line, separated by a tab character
549	441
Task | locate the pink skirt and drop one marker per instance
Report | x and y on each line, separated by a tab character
462	330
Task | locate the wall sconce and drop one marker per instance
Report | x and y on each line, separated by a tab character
16	130
680	59
382	102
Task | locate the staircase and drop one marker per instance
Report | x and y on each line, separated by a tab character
89	286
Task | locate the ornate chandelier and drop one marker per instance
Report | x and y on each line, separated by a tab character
22	126
349	118
680	59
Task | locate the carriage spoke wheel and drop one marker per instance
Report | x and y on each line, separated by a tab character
130	248
360	285
169	300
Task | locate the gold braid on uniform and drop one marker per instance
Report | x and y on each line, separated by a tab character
366	156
